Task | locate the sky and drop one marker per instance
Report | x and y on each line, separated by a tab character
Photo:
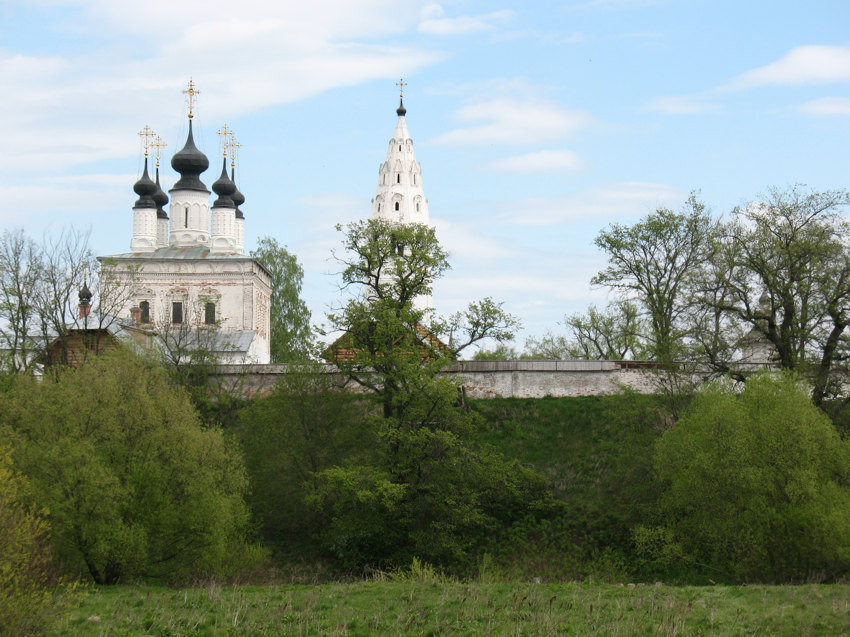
537	123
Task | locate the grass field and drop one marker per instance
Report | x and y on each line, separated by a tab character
440	608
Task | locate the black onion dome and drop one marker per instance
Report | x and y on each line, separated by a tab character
224	188
146	189
160	199
237	196
85	294
190	163
401	110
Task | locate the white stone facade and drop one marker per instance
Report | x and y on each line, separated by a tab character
237	287
190	218
399	197
144	230
189	271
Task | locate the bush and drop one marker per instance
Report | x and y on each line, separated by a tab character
135	486
756	486
306	425
25	573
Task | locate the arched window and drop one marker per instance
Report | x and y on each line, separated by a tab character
379	207
396	206
399	147
414	179
417	206
398	178
186	218
146	311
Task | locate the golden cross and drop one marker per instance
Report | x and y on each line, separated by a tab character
145	134
226	133
159	145
233	145
191	91
401	84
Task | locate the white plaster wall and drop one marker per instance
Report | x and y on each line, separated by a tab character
400	182
195	230
240	288
144	230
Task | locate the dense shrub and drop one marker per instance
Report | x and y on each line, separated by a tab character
304	426
25	570
134	485
756	486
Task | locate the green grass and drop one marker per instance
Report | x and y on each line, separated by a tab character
439	608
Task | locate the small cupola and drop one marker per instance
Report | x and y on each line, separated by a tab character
160	199
146	189
85	300
237	196
224	188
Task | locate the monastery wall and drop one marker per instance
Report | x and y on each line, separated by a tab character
488	379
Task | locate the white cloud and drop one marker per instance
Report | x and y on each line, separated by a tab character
682	105
75	109
543	161
802	65
464	25
467	241
604	202
512	121
827	107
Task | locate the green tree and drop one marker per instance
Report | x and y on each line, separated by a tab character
615	334
652	263
784	271
757	485
306	425
26	576
391	345
430	492
291	336
135	486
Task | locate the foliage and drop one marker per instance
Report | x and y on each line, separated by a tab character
499	352
133	483
784	271
652	263
390	346
463	608
305	426
615	334
26	576
757	486
596	452
291	337
429	493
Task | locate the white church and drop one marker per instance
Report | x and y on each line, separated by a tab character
189	267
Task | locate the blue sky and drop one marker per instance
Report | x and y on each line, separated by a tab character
536	123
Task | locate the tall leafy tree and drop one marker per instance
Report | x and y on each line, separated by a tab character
290	319
393	345
784	271
429	491
652	263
